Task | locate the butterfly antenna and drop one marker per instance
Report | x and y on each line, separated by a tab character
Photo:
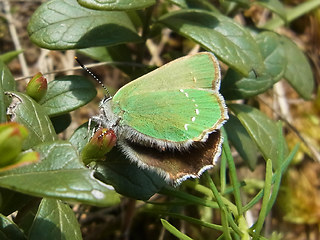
94	76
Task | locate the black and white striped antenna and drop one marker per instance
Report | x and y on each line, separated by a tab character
95	77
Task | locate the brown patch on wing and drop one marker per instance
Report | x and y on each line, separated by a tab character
179	164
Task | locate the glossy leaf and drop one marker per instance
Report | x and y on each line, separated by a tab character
127	178
9	230
120	5
7	83
97	53
235	86
119	53
271	47
80	137
61	122
59	174
198	4
262	130
3	105
298	71
66	94
228	40
64	24
12	201
29	113
54	220
242	141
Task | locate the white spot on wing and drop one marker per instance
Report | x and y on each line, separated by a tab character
193	119
181	90
97	194
187	95
197	111
186	127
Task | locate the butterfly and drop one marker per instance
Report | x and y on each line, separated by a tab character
169	119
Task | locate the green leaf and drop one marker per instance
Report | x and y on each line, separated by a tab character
240	139
235	86
271	47
27	214
11	201
61	123
64	24
59	174
7	81
9	230
262	130
119	53
80	137
97	53
3	105
54	220
298	72
273	5
9	56
120	5
66	94
198	4
29	113
127	178
221	35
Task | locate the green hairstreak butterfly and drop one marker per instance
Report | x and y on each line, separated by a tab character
169	119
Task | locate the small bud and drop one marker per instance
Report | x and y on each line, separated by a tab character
11	138
37	87
101	143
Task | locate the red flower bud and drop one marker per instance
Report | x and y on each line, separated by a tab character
101	143
37	87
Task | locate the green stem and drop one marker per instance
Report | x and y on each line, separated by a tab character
223	170
189	198
283	168
292	14
174	231
233	173
208	192
265	200
192	220
223	209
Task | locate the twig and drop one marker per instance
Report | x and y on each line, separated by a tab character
88	66
282	101
15	39
312	149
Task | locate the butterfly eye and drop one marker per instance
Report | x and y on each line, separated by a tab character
106	99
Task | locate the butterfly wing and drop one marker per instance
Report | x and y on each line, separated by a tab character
176	104
176	166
